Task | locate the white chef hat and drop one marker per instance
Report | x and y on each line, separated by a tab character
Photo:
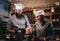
39	12
19	6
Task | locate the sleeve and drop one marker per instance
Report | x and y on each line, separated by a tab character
27	21
49	30
51	25
9	24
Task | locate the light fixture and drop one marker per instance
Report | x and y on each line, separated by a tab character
52	9
57	38
57	3
34	11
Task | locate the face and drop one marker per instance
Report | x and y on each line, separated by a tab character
37	18
19	11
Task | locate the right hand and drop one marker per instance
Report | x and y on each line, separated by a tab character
28	30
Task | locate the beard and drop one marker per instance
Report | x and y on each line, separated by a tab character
18	15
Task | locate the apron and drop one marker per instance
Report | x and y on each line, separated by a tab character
40	29
18	23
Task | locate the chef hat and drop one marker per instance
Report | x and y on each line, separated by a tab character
19	6
39	12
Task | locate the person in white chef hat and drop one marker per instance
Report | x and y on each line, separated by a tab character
19	21
40	25
38	21
39	15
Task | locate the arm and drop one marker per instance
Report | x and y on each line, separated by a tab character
27	21
9	26
49	29
28	27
